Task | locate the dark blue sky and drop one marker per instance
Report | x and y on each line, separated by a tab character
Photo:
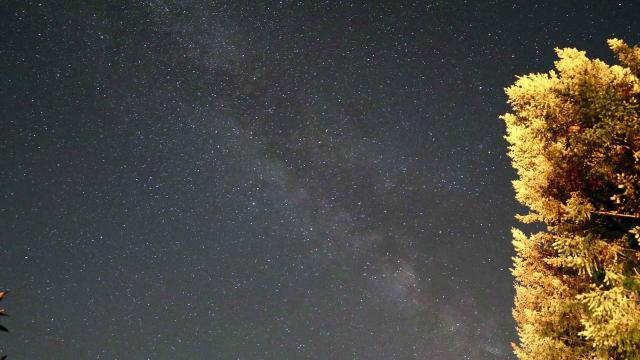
220	180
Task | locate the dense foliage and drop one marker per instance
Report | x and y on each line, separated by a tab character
574	136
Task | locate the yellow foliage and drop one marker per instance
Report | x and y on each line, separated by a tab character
574	140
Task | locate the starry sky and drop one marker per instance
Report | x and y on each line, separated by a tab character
283	180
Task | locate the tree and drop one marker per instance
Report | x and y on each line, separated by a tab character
3	313
574	140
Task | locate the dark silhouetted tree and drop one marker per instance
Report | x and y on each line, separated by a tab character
3	313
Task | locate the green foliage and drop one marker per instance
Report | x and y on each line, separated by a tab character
574	136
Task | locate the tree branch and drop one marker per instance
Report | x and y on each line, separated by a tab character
611	213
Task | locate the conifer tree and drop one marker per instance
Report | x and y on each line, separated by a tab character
574	140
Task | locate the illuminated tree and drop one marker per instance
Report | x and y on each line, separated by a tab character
574	136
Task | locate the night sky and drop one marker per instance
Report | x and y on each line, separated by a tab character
221	180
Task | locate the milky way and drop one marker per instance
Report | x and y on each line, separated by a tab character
204	180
